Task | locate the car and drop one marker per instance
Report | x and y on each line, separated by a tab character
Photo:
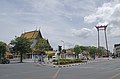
114	57
4	61
53	57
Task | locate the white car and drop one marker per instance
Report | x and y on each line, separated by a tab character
53	57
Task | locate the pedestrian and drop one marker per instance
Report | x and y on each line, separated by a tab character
39	60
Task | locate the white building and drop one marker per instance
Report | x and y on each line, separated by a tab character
116	49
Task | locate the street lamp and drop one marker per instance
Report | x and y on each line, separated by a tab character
64	51
63	44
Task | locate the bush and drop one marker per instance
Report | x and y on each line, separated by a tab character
50	55
55	61
66	61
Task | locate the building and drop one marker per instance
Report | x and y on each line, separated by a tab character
116	49
70	55
34	37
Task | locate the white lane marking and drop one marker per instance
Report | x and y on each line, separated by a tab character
56	74
114	76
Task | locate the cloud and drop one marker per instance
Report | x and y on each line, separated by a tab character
55	17
102	14
82	33
108	13
114	31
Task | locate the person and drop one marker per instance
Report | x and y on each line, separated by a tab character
39	60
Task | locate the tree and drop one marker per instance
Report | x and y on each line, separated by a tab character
93	51
77	50
84	48
21	45
102	51
3	50
42	45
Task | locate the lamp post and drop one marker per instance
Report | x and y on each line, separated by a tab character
64	51
63	44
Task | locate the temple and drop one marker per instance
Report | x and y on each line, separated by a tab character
34	37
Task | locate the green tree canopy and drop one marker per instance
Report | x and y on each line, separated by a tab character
43	45
93	51
102	51
21	45
77	49
2	49
84	48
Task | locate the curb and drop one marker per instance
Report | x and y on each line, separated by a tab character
68	65
71	65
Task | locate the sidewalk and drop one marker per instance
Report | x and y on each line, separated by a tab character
16	60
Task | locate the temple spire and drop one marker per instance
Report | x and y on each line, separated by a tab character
40	31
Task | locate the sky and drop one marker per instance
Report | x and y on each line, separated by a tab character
69	22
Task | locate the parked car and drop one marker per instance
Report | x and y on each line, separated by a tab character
4	61
114	57
53	57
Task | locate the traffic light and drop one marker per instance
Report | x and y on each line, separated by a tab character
60	49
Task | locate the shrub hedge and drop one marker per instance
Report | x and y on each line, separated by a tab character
66	61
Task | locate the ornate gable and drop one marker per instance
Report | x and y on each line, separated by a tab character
35	37
32	34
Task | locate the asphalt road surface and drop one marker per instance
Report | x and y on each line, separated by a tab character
107	69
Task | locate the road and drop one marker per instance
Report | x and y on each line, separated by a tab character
26	71
107	69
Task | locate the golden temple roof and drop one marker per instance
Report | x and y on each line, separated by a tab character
31	34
